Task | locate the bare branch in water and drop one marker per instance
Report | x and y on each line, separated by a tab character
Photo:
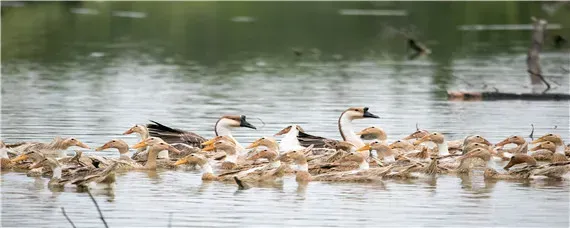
98	209
532	132
542	79
417	127
67	217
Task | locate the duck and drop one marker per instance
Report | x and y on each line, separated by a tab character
105	179
208	172
362	174
345	127
267	142
53	149
543	151
373	133
223	127
229	147
519	141
473	139
124	161
56	179
155	145
559	153
143	134
379	150
289	141
5	161
555	170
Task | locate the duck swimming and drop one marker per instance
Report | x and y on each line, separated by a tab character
5	162
543	151
154	146
559	153
53	149
289	141
519	141
229	147
345	128
373	133
223	127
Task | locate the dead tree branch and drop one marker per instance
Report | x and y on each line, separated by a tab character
67	217
98	209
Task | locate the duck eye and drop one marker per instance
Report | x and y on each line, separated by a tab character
549	134
434	133
113	141
72	139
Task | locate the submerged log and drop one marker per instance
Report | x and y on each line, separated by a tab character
475	96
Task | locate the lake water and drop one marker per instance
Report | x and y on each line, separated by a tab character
92	70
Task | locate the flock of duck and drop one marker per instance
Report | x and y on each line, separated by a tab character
363	156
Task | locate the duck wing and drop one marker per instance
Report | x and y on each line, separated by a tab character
318	142
171	135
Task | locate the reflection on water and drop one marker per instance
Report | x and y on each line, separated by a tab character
93	75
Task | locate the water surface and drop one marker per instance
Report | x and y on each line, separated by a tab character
92	70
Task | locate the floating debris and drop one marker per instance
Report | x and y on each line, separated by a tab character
130	14
364	12
96	54
243	19
85	11
504	27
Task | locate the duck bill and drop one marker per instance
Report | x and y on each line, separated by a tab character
82	145
539	140
209	142
128	132
141	144
20	158
253	145
173	149
535	148
367	114
181	161
105	146
502	143
364	148
210	147
423	139
244	123
284	131
486	142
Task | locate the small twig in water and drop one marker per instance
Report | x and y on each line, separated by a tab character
555	126
532	132
98	209
417	127
169	219
66	217
261	122
542	79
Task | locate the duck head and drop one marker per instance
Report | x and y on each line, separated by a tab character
371	133
69	142
358	113
515	139
519	159
435	137
114	143
288	128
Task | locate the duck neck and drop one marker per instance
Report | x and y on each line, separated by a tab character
207	168
231	157
560	149
363	165
163	155
56	172
290	141
347	131
442	147
302	167
4	153
224	129
125	157
144	134
151	160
